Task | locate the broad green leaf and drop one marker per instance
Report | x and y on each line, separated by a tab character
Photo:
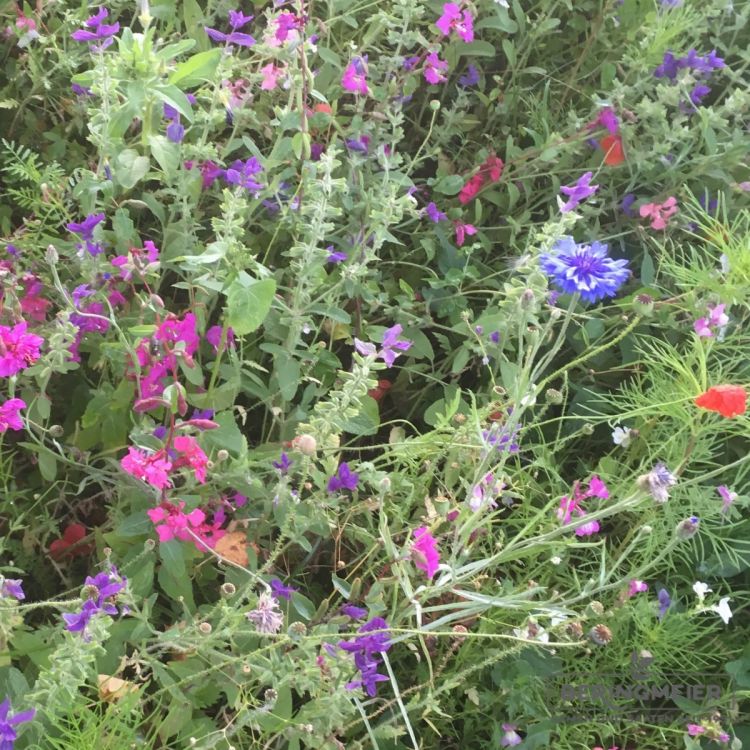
166	153
174	97
131	168
196	69
247	306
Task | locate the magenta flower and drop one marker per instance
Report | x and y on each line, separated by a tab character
10	419
354	78
659	213
637	587
578	192
727	497
237	20
434	214
434	69
150	468
424	551
716	319
172	522
213	336
18	349
462	230
454	19
191	455
570	506
183	332
101	32
271	75
344	478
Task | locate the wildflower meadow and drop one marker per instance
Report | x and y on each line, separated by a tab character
373	375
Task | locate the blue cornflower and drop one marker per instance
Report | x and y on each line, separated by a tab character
584	269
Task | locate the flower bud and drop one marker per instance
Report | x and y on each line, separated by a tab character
222	455
297	630
51	255
434	105
56	431
305	444
553	396
643	304
688	528
205	628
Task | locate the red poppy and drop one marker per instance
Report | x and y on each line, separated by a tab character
612	147
727	400
70	545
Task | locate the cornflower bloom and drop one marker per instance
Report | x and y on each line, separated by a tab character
424	551
18	349
584	269
578	192
237	20
267	617
657	482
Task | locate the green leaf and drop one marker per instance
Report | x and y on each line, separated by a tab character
166	153
343	587
286	371
131	168
174	97
449	185
303	605
477	49
228	435
196	69
247	306
176	49
648	270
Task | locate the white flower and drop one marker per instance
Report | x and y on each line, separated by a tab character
504	3
622	436
701	589
555	560
722	609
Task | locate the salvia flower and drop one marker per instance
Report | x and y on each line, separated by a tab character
659	213
283	464
665	602
716	319
576	193
584	269
267	617
280	591
237	20
86	228
727	400
344	478
434	214
12	587
456	20
470	78
18	349
9	722
657	482
373	639
98	592
354	78
10	417
356	613
242	173
463	230
424	551
100	31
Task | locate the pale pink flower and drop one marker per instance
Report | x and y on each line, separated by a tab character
717	318
637	587
659	213
271	75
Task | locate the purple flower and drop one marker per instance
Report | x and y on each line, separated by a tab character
8	723
86	229
664	602
242	172
510	737
627	205
501	438
434	213
80	90
176	130
584	269
391	342
578	192
236	20
335	256
344	478
365	649
361	145
700	91
98	591
101	31
470	78
727	496
410	62
657	482
608	119
356	613
434	69
668	67
267	617
283	464
12	587
280	591
354	78
495	337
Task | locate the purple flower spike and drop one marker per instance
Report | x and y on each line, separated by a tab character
578	192
434	214
242	173
102	32
9	721
344	478
470	78
86	229
280	591
356	613
665	602
283	464
365	649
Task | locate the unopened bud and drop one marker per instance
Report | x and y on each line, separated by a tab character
270	696
157	301
434	105
51	255
297	630
688	528
553	396
587	429
205	628
56	431
305	444
222	455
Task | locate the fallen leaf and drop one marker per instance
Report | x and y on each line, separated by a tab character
233	546
113	688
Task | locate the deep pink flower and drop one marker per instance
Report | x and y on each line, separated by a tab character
637	587
462	229
173	331
151	468
424	551
191	455
453	19
659	213
18	349
173	523
10	419
354	78
213	336
434	69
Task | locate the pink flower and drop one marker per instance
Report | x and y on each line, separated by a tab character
213	336
271	75
727	497
18	349
434	67
150	468
10	419
462	230
424	551
172	523
192	455
597	488
455	20
176	331
637	587
355	77
659	213
716	319
572	506
695	729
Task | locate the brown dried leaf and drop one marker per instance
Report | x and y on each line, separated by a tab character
233	547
